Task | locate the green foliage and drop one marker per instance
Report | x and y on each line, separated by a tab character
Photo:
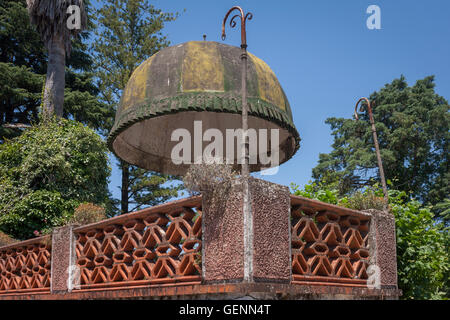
369	198
149	189
317	192
19	42
412	124
19	92
423	257
35	213
423	261
83	95
46	172
22	67
443	209
82	102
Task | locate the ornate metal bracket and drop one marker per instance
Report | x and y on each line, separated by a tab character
243	18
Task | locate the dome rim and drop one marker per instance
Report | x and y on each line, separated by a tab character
232	104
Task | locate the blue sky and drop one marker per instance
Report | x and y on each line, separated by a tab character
325	57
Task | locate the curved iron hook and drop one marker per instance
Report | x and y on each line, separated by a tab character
243	17
232	22
361	109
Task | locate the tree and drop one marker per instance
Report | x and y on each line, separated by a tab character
149	188
50	18
23	64
413	130
128	33
47	172
423	257
443	209
19	92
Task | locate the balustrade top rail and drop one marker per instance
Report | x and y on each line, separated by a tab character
316	205
195	201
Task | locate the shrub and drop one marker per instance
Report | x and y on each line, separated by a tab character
423	260
317	192
47	172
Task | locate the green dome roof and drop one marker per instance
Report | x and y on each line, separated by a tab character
197	76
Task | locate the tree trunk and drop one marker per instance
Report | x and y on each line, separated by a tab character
55	81
124	188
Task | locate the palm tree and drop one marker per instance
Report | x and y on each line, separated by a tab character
50	18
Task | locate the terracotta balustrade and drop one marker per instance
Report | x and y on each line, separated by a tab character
330	244
25	266
153	246
301	247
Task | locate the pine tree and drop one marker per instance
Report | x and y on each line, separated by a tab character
413	125
129	32
22	65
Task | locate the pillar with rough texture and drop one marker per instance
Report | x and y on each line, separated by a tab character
63	259
383	251
223	234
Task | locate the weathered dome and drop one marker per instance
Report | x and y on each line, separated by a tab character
198	80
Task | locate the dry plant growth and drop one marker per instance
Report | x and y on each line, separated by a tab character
207	177
5	239
87	213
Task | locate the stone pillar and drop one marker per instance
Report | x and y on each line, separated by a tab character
63	260
382	243
223	234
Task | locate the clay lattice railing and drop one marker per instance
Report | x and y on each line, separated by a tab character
163	245
158	245
25	266
329	243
